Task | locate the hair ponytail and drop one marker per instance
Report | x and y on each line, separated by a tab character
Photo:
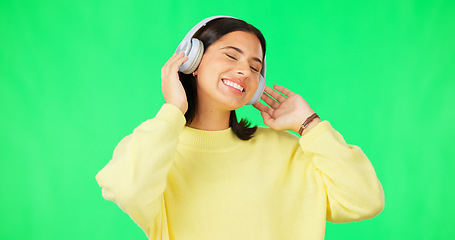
242	129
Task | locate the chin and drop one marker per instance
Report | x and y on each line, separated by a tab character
235	106
236	101
225	99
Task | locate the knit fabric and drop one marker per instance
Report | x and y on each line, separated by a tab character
177	182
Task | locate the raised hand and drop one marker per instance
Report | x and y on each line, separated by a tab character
286	112
171	87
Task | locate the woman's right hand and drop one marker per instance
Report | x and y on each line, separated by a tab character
172	88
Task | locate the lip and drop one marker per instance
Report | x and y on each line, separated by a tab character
237	81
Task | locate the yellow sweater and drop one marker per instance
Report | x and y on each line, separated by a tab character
176	182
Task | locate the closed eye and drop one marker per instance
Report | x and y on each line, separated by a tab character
234	58
254	69
231	57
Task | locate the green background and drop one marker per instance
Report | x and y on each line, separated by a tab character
77	76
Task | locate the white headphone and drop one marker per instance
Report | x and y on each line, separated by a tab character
194	49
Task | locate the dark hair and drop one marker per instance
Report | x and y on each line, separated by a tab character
209	34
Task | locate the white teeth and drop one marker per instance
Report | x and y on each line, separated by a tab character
234	85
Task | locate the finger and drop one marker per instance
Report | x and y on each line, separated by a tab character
280	98
176	63
263	108
271	102
174	55
283	90
171	68
169	62
181	60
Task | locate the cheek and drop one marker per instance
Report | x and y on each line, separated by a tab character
255	82
205	68
212	65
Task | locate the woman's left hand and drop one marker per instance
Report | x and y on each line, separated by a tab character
285	112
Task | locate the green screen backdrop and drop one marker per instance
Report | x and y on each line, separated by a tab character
78	76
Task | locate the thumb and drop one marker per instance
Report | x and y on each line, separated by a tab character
268	120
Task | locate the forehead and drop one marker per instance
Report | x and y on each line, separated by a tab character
246	41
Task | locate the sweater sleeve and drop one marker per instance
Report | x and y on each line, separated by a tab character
353	191
135	177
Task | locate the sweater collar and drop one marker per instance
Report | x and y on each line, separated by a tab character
209	140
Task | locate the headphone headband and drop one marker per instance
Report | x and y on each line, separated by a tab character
201	24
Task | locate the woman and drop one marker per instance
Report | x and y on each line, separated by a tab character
195	172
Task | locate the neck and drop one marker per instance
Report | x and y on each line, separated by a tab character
210	119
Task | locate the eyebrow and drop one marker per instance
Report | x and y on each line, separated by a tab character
241	52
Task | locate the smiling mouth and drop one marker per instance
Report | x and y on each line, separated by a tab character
233	84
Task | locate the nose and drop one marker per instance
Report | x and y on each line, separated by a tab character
243	69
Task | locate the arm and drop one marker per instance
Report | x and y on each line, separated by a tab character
135	178
353	190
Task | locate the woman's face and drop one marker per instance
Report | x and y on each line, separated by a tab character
228	74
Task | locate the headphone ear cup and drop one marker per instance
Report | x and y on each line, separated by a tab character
194	57
257	95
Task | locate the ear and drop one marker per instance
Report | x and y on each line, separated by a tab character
195	72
